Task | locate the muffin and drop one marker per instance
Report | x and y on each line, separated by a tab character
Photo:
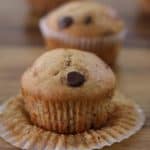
84	25
41	7
145	4
68	91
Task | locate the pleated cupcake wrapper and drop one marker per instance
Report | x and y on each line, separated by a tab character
67	117
82	42
15	128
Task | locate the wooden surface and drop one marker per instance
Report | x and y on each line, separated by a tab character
19	27
133	75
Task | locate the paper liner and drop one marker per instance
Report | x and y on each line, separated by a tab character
15	128
73	116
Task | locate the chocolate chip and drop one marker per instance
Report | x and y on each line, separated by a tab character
65	22
87	19
75	79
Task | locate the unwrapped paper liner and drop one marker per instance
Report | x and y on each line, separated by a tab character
16	128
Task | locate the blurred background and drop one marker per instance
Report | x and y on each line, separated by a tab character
18	25
21	43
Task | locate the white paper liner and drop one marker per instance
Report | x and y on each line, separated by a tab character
15	128
82	41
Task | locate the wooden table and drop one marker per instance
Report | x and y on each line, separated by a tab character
19	27
133	74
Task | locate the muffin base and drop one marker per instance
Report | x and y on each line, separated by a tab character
68	117
16	128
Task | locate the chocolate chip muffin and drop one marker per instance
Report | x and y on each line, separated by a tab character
85	25
68	91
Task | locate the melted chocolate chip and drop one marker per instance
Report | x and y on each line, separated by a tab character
88	20
75	79
65	22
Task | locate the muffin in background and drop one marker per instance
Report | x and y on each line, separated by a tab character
41	7
85	25
68	91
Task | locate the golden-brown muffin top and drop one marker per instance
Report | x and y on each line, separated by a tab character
84	19
67	74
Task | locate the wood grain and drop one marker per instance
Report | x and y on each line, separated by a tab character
19	27
133	75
